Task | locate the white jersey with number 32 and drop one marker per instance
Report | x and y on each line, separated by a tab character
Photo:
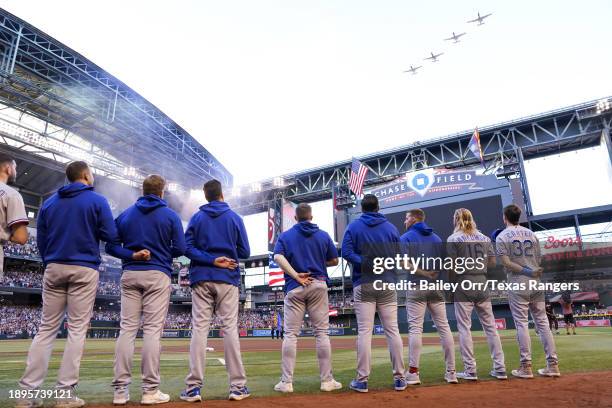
521	245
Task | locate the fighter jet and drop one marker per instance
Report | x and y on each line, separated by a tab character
434	57
479	19
455	37
413	70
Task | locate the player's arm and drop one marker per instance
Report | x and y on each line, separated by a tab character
303	279
348	249
407	265
332	253
242	245
511	266
538	251
19	233
16	219
491	258
41	233
518	269
178	238
491	262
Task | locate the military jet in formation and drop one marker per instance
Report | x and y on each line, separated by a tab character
455	38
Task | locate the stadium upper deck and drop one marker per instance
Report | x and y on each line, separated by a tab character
57	106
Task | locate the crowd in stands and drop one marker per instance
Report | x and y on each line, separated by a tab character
17	320
249	319
28	278
29	250
178	320
108	315
337	301
182	291
109	287
31	276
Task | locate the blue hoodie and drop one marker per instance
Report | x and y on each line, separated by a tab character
420	240
307	248
150	224
71	224
371	229
212	232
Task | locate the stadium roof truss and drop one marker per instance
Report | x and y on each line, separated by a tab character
85	113
504	147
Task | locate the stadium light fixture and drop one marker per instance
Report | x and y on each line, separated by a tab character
256	187
603	105
278	182
129	171
173	187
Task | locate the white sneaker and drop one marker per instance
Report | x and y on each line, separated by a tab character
500	375
524	371
72	402
451	377
412	378
464	375
550	371
330	385
156	397
283	387
121	396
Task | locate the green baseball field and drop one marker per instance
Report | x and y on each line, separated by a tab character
583	358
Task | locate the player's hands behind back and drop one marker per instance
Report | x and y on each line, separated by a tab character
225	262
537	273
142	255
304	278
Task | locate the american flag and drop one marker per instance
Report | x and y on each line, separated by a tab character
358	174
276	276
474	146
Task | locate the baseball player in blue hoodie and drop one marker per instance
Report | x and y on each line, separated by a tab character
145	287
304	252
216	238
70	225
420	241
368	233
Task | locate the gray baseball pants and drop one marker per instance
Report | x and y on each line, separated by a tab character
144	294
67	290
312	299
366	306
520	305
484	311
210	298
415	309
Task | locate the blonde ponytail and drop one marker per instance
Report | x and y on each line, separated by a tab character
464	221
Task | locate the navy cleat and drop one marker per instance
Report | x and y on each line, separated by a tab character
239	394
359	386
400	384
191	395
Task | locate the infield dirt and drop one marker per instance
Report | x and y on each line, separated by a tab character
573	390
